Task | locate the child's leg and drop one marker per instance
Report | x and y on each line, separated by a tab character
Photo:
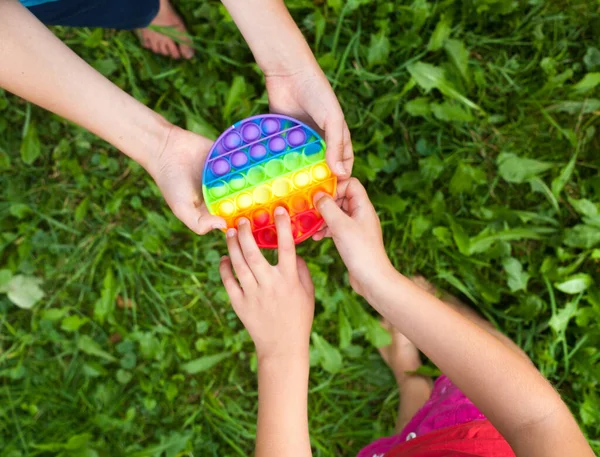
402	356
119	14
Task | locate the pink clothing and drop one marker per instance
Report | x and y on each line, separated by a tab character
446	407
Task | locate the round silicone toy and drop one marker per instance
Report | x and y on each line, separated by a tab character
264	162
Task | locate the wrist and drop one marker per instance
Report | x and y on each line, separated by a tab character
285	51
380	281
283	359
287	58
146	139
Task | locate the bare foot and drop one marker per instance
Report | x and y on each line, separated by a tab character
401	356
162	44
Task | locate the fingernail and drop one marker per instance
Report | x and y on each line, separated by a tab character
279	211
219	225
339	167
319	196
224	258
230	233
243	221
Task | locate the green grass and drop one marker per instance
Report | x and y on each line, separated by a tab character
476	140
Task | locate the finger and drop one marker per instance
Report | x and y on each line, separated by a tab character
321	234
334	138
231	285
335	218
261	269
286	248
357	199
304	275
199	220
240	266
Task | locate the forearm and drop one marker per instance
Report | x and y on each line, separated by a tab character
282	407
503	384
38	67
274	38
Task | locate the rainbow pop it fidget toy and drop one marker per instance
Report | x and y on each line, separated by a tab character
264	162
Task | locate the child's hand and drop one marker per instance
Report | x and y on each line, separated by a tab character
275	303
307	96
177	171
356	233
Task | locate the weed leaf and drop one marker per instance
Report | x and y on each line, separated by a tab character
204	363
575	284
30	146
329	357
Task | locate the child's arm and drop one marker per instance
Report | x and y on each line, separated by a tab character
37	66
276	305
295	83
507	388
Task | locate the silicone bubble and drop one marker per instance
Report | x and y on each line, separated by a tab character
292	161
258	151
250	132
264	162
277	144
299	203
237	182
261	218
239	159
232	140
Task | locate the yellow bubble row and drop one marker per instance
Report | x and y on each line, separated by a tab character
277	188
278	191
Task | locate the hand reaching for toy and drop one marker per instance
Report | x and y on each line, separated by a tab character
306	95
356	232
177	171
275	303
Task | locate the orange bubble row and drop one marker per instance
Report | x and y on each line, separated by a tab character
261	214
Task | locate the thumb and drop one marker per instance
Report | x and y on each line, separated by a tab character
336	150
335	218
199	220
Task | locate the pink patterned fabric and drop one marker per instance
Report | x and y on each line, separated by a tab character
446	407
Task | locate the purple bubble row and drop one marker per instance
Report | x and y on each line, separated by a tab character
251	131
239	159
233	141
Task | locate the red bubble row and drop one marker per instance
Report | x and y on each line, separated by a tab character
303	225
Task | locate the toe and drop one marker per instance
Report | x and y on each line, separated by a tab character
186	51
164	48
185	42
173	49
154	45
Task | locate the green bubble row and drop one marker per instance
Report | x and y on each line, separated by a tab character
260	173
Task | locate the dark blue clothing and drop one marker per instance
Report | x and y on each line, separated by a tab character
109	14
